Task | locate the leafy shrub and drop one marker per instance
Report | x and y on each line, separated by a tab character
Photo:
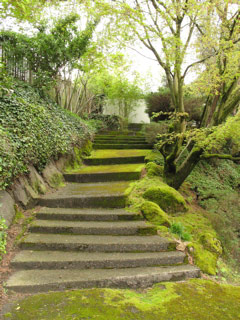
161	101
178	228
194	107
153	129
158	101
112	122
3	237
34	130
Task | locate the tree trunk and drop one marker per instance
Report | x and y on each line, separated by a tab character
175	179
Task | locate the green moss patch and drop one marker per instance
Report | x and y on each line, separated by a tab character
193	300
166	197
205	246
109	153
154	156
107	168
152	212
153	169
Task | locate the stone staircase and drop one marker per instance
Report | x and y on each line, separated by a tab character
82	236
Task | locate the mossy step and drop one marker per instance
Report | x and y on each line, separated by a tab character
86	214
96	154
94	243
31	281
116	141
114	156
104	173
98	146
108	169
28	259
92	227
87	195
119	138
102	177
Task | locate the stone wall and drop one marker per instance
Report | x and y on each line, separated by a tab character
28	188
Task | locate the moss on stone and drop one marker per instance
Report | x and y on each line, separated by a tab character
204	259
56	180
114	153
191	300
154	156
153	169
167	198
107	168
211	243
152	212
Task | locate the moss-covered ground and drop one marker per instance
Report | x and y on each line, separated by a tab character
109	153
107	168
190	300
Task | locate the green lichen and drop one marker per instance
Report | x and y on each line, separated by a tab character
107	168
204	259
56	180
190	300
211	243
77	158
167	198
152	212
153	169
109	153
154	156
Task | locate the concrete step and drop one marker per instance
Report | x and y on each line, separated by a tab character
110	156
86	214
120	160
87	195
92	227
32	281
119	141
94	243
98	146
102	177
28	259
104	173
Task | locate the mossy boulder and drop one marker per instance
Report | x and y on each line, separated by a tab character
153	169
152	212
166	197
211	243
154	156
204	259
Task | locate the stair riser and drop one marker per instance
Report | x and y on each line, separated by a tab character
91	202
124	141
88	217
105	161
136	282
98	247
101	264
102	177
94	231
121	146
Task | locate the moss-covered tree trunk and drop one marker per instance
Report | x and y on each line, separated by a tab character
175	179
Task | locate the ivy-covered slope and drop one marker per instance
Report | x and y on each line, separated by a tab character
34	130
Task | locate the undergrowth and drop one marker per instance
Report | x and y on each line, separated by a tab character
34	130
217	184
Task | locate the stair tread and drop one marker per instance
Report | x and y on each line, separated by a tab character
30	255
83	190
92	239
121	168
88	211
118	153
36	280
91	224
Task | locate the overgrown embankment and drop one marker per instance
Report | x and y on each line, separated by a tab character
34	130
210	226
